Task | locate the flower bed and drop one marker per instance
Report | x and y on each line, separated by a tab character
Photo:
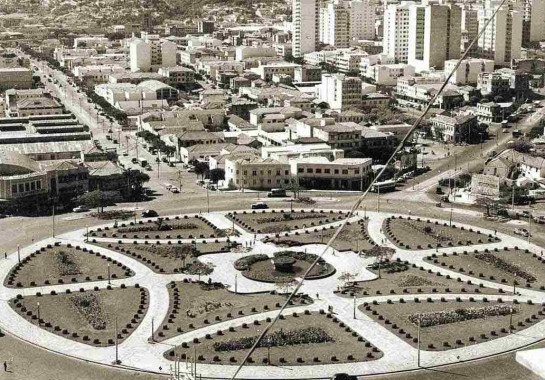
459	315
279	338
505	266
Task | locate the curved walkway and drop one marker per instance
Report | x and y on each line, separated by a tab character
139	353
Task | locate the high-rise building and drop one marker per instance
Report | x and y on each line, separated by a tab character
335	23
502	38
305	26
396	31
362	19
151	53
340	92
533	20
470	27
434	35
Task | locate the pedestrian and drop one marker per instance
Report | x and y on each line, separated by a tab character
317	296
5	255
5	366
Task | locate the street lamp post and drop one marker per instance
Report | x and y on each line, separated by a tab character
116	343
109	274
39	316
19	254
354	298
418	339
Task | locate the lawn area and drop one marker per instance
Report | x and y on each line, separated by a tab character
452	324
63	264
297	339
353	237
414	233
284	267
163	228
89	316
272	222
504	266
168	258
197	304
403	278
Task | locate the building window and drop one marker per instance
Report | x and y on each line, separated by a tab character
254	172
318	171
327	171
14	189
309	170
336	171
27	186
21	188
345	171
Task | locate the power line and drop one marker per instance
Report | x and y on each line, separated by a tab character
362	197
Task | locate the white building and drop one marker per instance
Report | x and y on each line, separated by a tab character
469	70
340	92
96	73
435	35
151	53
387	75
305	26
533	20
244	52
502	39
395	39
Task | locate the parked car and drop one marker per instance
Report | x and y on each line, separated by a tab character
174	190
80	209
149	214
260	206
522	232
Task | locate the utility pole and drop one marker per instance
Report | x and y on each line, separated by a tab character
450	218
378	198
19	254
53	220
354	306
208	199
510	319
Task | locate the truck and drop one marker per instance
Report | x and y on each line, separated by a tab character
143	162
277	193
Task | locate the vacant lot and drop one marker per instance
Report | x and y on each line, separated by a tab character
162	228
295	340
452	324
63	264
504	266
88	317
353	237
195	305
411	233
167	258
279	221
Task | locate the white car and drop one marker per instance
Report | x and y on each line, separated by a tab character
174	190
522	232
80	209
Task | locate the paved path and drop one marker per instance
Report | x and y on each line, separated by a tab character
137	352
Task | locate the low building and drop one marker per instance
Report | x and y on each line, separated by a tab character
453	129
256	173
201	152
15	77
267	71
387	74
468	71
340	174
307	73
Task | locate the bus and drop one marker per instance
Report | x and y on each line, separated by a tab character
383	187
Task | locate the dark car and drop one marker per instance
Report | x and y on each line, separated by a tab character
149	214
343	376
260	206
